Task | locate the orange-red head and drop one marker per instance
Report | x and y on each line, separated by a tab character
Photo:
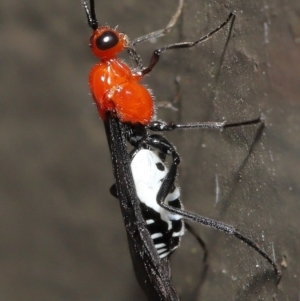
106	43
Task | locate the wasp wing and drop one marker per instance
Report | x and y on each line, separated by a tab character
152	273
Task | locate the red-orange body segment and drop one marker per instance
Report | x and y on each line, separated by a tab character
114	86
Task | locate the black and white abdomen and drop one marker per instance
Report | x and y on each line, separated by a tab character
166	229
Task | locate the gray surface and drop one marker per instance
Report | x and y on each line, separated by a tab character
62	236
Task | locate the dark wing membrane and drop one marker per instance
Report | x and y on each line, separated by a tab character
152	273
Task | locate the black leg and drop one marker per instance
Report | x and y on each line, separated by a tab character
219	226
160	126
161	144
156	54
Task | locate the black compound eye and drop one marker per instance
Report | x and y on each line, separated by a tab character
107	40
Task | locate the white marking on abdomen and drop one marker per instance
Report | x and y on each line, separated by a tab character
158	246
161	251
164	255
175	234
156	235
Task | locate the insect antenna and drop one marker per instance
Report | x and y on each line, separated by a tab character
90	13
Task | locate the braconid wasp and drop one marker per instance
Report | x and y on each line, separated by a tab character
127	109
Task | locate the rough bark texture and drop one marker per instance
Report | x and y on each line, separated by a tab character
62	235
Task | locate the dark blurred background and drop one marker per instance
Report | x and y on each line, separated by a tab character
62	236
